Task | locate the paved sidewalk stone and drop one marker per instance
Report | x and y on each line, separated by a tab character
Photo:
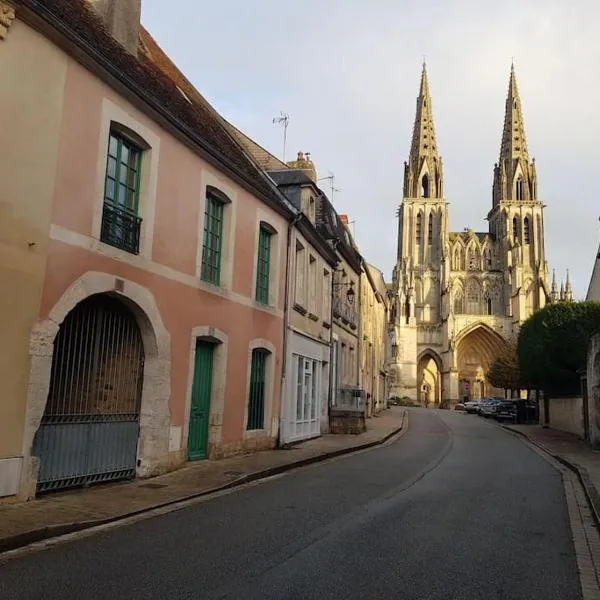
60	513
572	451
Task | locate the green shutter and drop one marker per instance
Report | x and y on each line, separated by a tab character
213	241
256	394
263	266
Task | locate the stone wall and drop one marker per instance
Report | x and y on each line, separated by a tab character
565	414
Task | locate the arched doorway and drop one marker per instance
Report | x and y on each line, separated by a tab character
90	427
476	350
429	379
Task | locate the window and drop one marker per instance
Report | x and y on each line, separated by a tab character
213	240
515	229
326	296
300	289
488	304
458	302
256	394
418	229
263	265
312	285
430	230
425	186
473	298
120	221
526	231
519	189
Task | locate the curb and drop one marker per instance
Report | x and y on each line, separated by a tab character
591	493
16	541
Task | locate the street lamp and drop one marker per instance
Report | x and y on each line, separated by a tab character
350	294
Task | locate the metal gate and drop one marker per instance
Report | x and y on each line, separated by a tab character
90	428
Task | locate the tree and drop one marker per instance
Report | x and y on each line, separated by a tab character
504	371
553	345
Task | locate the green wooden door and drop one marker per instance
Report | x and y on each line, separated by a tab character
200	408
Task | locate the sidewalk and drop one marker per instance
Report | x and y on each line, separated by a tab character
60	513
572	452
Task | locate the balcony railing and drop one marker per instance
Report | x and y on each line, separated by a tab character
120	228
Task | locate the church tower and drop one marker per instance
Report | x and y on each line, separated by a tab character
422	230
517	216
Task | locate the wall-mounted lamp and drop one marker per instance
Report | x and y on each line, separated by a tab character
350	293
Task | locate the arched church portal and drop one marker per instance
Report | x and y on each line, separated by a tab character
475	353
429	379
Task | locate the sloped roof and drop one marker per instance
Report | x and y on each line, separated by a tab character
377	278
466	235
154	78
593	292
266	161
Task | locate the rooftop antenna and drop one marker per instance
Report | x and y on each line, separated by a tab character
283	119
331	179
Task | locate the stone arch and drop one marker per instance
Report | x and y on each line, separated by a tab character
473	255
458	297
153	446
476	348
429	378
458	253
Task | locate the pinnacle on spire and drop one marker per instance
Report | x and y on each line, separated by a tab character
514	141
515	178
423	173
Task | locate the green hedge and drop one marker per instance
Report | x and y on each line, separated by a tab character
553	345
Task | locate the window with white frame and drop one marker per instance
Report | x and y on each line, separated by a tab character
307	394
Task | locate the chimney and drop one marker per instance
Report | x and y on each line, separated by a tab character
304	162
122	19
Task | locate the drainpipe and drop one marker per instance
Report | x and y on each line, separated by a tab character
286	312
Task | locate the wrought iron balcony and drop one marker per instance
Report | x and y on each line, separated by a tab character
120	228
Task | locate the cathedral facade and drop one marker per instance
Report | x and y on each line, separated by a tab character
459	297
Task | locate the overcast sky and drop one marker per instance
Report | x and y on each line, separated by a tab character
347	72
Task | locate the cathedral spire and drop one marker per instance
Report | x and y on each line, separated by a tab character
423	172
520	176
514	141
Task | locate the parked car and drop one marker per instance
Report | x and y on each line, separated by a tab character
506	411
471	406
488	406
460	406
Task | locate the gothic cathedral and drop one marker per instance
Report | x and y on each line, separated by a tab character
459	297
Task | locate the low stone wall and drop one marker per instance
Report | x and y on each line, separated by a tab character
565	414
347	421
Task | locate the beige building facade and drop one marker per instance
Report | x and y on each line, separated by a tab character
459	296
374	320
32	68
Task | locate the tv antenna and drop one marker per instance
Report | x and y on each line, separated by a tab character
331	179
283	119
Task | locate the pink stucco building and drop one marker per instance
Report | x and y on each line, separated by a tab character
158	334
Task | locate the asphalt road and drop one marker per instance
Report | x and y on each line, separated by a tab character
457	509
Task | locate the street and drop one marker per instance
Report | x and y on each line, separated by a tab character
456	509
